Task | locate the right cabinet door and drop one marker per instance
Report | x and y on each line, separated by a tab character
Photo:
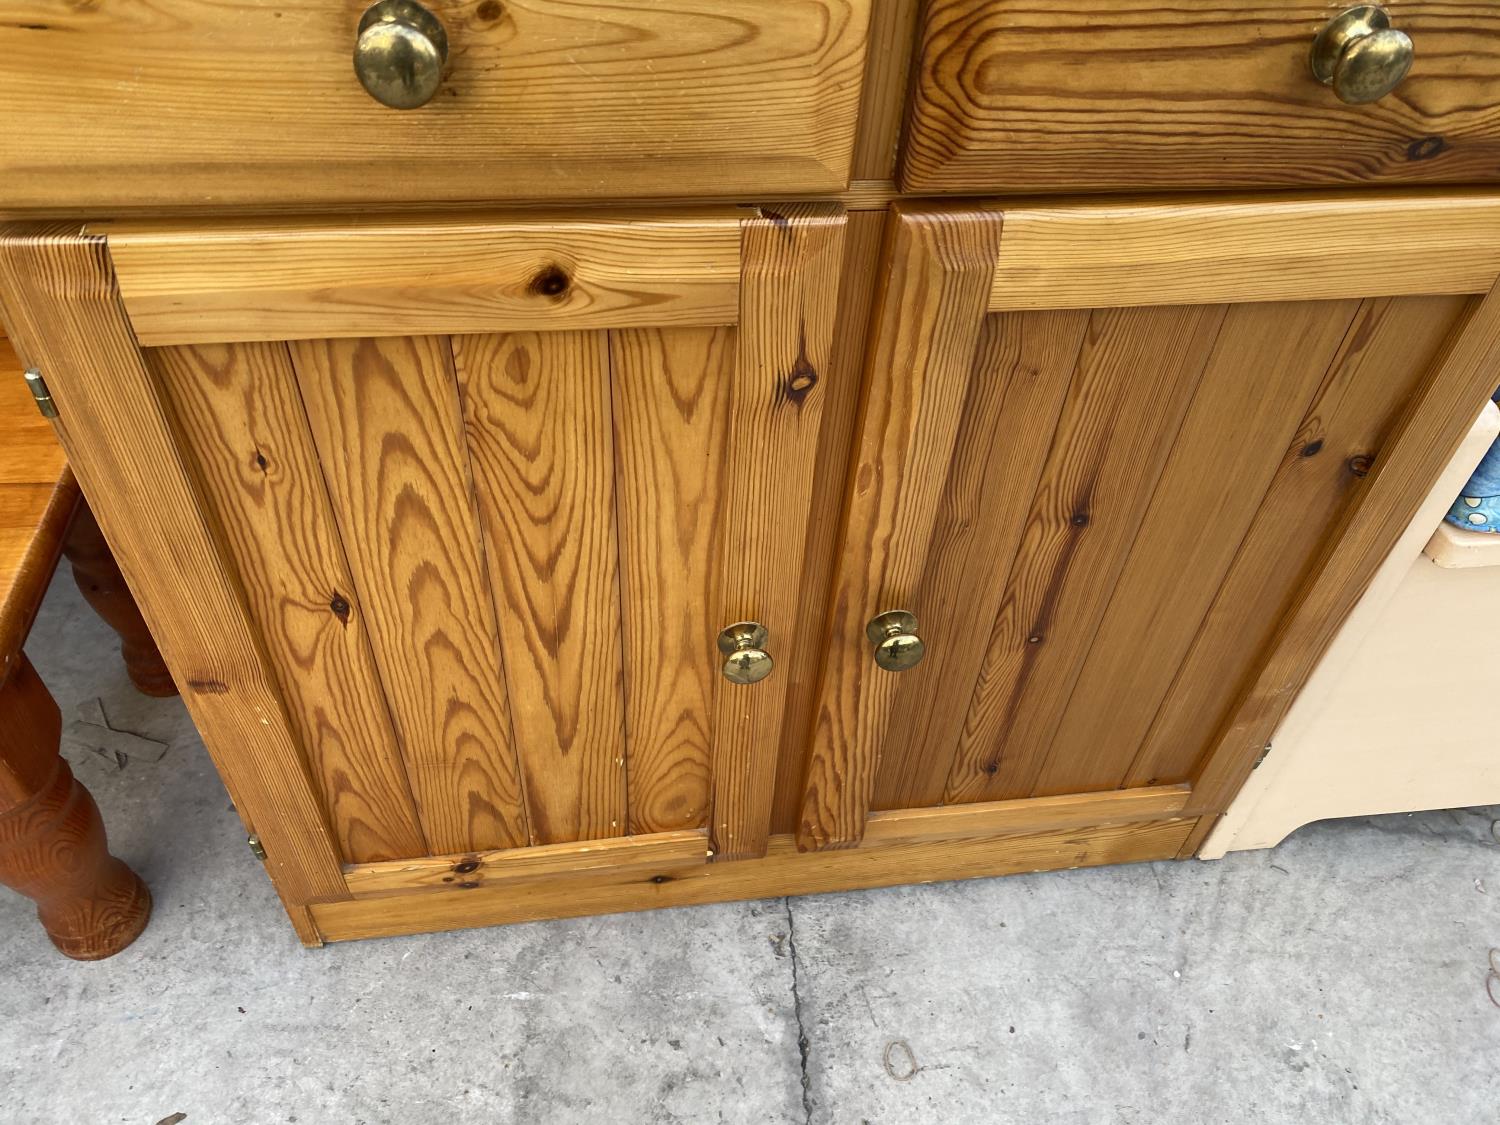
1127	465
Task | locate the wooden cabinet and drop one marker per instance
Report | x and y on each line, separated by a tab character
1109	95
1127	465
439	516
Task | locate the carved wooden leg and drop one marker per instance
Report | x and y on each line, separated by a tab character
104	587
52	844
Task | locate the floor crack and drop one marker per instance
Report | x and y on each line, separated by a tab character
802	1044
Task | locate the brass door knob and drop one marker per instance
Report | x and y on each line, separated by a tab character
744	647
1361	55
400	53
894	635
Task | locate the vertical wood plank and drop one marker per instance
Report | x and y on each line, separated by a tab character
1265	368
883	94
537	415
245	430
1384	353
938	266
63	312
385	419
789	286
1136	375
671	406
1022	371
858	280
1452	387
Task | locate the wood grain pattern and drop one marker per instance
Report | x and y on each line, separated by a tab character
671	409
37	498
1027	815
53	848
656	852
541	99
1266	365
788	301
1022	369
537	418
1378	364
63	311
672	392
242	426
938	266
188	281
1430	426
384	415
882	105
1103	95
783	870
1281	248
841	383
1136	374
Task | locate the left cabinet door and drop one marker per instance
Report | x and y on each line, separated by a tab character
438	522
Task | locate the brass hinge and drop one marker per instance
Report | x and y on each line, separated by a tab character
39	391
1265	750
257	849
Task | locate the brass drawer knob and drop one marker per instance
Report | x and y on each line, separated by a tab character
744	647
400	53
1361	55
894	635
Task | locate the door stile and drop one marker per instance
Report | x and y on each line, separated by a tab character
63	310
789	298
940	264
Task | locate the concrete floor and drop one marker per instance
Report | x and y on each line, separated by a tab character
1340	978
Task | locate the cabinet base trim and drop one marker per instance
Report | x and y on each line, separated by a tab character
782	871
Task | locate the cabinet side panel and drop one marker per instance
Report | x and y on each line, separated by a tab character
241	421
385	419
1383	356
671	408
537	417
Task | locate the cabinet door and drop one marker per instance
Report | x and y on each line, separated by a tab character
438	521
1128	465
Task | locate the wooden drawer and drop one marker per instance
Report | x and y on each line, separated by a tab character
1100	95
139	103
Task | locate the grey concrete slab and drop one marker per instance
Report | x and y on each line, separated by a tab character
1338	978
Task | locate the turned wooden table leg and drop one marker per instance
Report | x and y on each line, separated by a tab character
103	585
52	844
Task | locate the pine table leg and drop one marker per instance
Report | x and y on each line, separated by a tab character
52	843
103	586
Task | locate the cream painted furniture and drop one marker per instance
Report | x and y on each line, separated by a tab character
1399	715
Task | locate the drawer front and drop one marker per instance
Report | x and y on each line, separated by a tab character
1100	95
199	102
